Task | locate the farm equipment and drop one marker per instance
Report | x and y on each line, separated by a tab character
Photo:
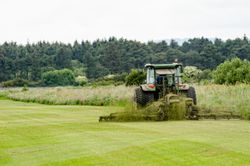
163	97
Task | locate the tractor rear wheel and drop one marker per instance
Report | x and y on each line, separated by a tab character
143	98
192	94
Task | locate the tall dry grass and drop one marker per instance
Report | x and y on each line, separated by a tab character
106	95
226	98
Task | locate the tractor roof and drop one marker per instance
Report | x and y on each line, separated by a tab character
164	66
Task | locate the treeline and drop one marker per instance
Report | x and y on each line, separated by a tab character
112	56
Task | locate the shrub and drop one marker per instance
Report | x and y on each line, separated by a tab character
205	75
232	72
120	77
81	80
58	77
135	77
15	83
191	74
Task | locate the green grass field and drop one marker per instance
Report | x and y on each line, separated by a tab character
34	134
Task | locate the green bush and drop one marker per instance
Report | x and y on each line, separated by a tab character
120	77
191	74
135	77
58	78
15	83
232	72
81	80
205	75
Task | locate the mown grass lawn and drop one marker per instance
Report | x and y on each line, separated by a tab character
33	134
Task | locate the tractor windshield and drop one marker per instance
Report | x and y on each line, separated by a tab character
150	76
178	75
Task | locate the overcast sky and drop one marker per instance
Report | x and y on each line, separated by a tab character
69	20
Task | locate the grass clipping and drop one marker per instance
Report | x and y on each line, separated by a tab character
174	109
171	107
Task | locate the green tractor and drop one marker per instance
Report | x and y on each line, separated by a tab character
162	97
163	79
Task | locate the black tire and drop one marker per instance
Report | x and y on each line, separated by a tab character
143	98
192	94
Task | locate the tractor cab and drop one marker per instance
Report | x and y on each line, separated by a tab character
163	78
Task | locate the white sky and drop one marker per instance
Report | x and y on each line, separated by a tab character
69	20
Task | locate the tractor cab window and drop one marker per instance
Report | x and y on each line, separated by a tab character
150	76
178	75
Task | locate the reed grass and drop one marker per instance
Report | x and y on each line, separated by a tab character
235	98
98	96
